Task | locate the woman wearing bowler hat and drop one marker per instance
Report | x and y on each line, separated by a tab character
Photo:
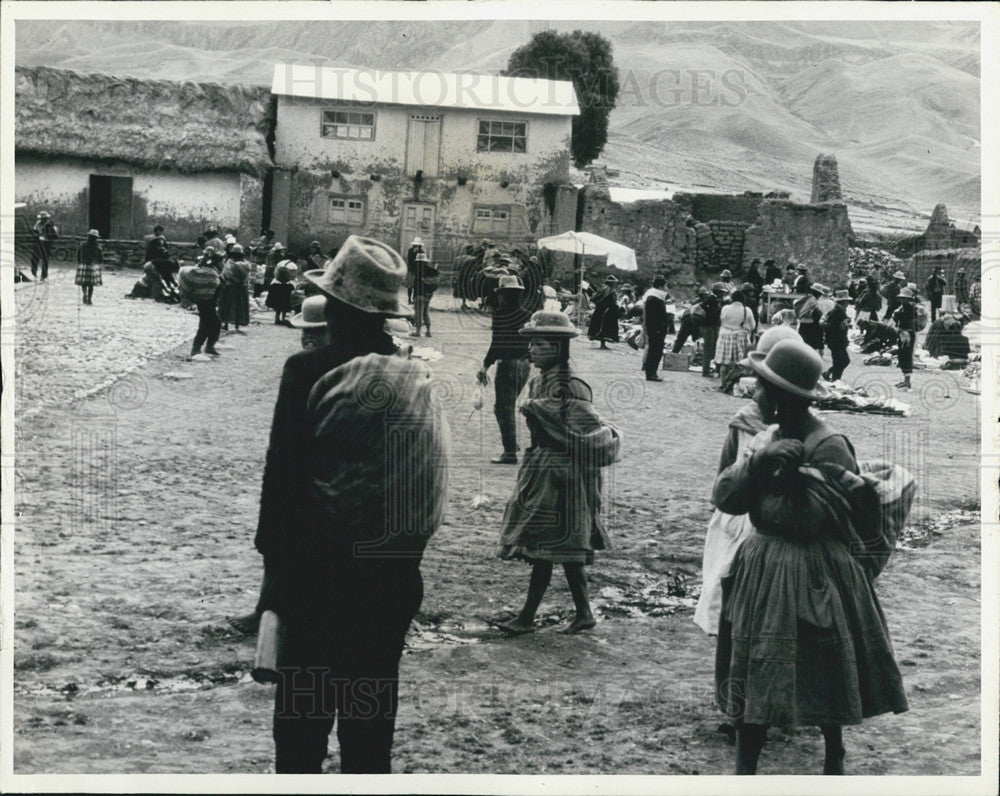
802	637
553	517
905	318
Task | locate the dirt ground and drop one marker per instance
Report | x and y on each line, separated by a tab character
135	515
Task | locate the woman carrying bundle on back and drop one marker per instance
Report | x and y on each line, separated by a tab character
234	298
802	637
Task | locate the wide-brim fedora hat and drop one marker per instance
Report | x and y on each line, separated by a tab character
549	323
367	275
792	366
313	314
899	275
842	295
770	339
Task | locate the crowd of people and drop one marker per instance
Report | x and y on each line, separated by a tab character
799	532
801	527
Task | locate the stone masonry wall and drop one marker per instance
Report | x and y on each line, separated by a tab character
815	235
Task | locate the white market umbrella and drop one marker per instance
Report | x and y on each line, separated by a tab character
619	256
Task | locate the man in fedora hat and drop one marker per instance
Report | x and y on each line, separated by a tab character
510	351
426	279
43	232
344	583
726	278
835	325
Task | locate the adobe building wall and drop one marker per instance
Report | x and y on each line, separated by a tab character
815	235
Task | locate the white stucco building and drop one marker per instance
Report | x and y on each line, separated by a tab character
452	158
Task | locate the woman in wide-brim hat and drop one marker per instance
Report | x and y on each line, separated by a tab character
553	517
88	270
802	637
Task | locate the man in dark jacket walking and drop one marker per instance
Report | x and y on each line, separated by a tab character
509	350
835	327
43	232
654	319
345	606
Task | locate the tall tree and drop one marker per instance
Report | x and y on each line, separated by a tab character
586	60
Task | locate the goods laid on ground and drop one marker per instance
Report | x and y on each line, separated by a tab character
840	397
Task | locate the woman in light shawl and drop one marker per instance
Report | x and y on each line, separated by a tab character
554	514
234	297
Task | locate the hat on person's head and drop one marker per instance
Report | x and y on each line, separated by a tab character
417	241
748	286
312	315
158	228
314	243
819	289
94	233
726	274
790	267
421	257
230	239
549	323
278	245
842	295
704	291
510	283
800	267
950	321
792	366
899	275
770	339
237	249
907	293
777	284
367	275
611	279
719	289
44	214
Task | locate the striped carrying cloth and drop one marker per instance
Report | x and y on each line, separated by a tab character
198	283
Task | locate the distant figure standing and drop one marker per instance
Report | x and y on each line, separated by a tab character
935	288
88	270
654	321
905	318
425	281
604	320
890	292
772	272
234	298
711	320
44	232
802	280
416	246
961	287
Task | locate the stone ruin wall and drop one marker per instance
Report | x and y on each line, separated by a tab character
728	231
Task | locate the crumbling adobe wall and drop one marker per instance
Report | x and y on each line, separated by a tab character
920	266
656	229
815	235
826	180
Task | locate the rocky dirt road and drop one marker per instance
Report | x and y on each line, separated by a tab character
135	512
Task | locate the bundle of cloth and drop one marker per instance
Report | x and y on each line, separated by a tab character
384	445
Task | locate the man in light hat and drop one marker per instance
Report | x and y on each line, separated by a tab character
726	278
835	325
905	318
43	232
426	279
314	256
340	571
890	292
509	350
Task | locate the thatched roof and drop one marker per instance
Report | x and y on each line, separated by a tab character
153	124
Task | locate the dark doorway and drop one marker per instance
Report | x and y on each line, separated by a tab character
111	206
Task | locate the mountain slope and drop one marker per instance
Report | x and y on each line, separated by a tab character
725	105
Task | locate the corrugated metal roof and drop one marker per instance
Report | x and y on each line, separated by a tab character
426	89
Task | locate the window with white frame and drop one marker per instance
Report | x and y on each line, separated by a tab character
502	137
347	210
491	219
350	124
